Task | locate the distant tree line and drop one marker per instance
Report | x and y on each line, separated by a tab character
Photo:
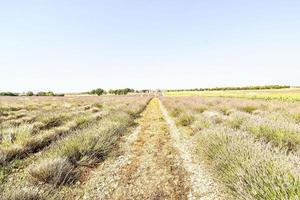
125	91
265	87
121	91
50	93
8	94
30	93
100	91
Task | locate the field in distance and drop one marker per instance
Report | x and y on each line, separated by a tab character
289	94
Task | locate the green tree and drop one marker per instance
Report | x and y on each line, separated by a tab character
29	93
50	93
98	91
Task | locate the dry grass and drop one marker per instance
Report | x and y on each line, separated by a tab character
26	193
56	171
185	119
249	169
48	146
79	132
250	146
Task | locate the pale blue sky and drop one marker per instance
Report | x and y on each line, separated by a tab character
77	45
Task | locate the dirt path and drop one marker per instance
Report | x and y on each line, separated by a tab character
202	185
151	165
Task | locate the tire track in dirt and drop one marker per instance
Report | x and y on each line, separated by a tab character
202	186
148	166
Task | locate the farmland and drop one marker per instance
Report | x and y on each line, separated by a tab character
251	147
176	146
290	94
55	140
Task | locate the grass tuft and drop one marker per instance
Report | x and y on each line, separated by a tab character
98	105
201	109
176	112
57	171
248	108
249	169
24	194
185	119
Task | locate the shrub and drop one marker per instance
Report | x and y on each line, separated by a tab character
41	94
121	91
94	110
224	110
217	119
278	136
98	105
249	169
37	126
50	93
236	122
185	119
29	93
8	154
98	91
296	117
3	113
176	112
80	120
24	194
248	108
52	121
201	109
9	94
201	124
57	171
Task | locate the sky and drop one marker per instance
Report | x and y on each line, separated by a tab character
78	45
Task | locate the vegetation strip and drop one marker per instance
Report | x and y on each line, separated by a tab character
202	185
11	157
291	95
61	164
248	167
211	148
